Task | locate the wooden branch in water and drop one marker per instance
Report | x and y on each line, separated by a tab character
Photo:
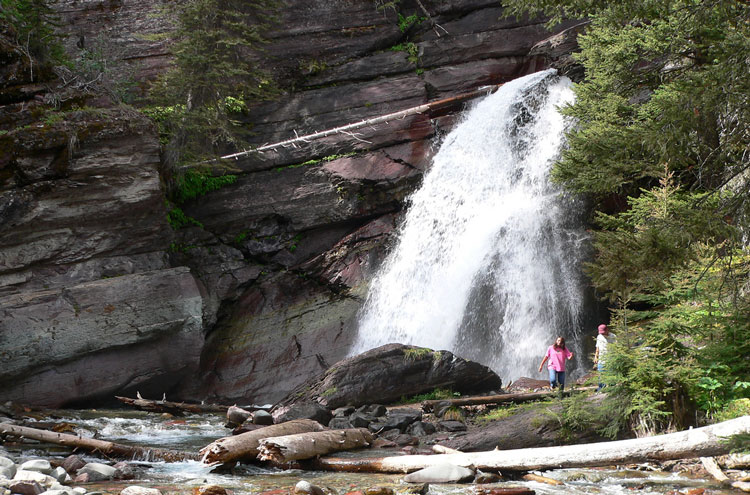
306	445
175	408
109	449
244	447
696	442
428	405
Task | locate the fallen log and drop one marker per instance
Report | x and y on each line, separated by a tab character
696	442
175	408
429	405
105	448
244	447
306	445
433	108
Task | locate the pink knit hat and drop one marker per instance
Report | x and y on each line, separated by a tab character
602	328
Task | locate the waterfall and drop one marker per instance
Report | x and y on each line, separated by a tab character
486	262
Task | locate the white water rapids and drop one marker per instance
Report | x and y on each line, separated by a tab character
486	263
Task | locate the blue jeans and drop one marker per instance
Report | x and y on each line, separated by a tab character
600	368
556	377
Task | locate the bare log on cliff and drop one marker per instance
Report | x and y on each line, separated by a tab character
244	447
428	405
348	128
696	442
307	445
175	408
108	449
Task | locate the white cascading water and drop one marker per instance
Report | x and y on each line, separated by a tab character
486	263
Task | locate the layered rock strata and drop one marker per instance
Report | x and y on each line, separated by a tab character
99	295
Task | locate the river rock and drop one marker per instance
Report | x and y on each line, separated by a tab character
139	490
124	471
440	473
339	424
306	488
370	376
60	474
237	415
59	491
38	465
209	490
72	463
26	487
401	418
98	471
43	479
7	467
261	417
421	428
305	410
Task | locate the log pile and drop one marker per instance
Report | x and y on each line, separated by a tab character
706	441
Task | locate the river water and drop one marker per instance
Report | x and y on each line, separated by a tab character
193	432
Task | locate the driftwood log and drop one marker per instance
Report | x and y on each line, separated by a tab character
429	405
697	442
108	449
307	445
175	408
244	447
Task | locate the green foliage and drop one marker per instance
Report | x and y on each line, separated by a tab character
177	219
32	30
660	144
213	76
416	353
195	183
411	50
405	23
437	394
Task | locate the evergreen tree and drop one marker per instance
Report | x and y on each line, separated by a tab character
215	72
662	120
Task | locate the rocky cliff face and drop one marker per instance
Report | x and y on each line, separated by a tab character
100	296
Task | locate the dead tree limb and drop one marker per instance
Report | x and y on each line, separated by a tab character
306	445
108	449
430	107
428	405
175	408
244	447
696	442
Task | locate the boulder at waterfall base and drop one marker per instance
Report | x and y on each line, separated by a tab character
388	373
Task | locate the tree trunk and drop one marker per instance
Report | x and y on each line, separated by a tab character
105	448
428	405
307	445
244	447
706	441
175	408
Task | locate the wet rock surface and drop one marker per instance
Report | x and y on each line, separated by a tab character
265	292
388	373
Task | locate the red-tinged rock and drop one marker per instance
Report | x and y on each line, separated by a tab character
278	491
357	492
209	490
695	491
82	478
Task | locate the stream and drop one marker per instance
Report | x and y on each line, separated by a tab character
191	433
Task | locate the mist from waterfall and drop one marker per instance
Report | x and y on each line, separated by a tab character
487	260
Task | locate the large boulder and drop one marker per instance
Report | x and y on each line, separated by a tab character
387	373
